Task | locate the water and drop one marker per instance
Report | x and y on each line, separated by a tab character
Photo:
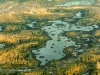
78	3
0	28
2	45
54	47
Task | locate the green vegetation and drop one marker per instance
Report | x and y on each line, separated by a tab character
20	39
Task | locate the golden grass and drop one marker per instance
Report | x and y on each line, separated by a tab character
24	35
31	8
90	55
37	11
97	33
10	18
13	27
72	69
85	35
16	56
34	73
72	33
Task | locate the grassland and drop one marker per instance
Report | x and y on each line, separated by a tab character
19	40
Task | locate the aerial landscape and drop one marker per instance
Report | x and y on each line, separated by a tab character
49	37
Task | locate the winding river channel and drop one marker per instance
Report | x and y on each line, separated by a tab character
53	49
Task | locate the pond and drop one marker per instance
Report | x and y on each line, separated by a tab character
53	49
